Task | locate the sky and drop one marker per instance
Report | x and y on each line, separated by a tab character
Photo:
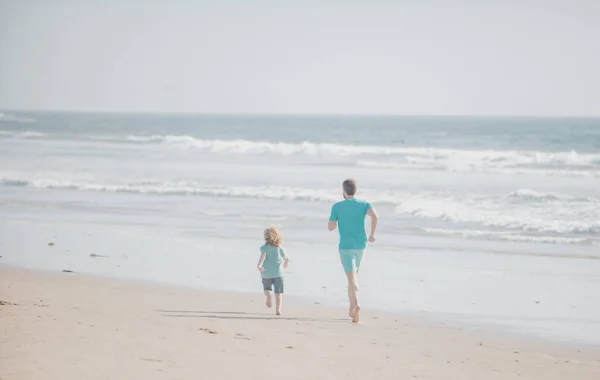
419	57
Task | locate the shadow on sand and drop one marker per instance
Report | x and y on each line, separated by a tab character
241	316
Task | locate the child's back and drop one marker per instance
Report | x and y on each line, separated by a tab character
274	260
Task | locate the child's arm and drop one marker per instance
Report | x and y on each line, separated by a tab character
261	261
286	259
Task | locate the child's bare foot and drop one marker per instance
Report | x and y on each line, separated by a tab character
269	302
356	315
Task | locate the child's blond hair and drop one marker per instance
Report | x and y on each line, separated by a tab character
273	237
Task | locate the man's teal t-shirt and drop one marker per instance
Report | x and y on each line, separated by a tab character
273	264
350	215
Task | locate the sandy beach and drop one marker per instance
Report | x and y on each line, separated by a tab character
146	148
72	326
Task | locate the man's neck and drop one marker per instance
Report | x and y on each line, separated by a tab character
349	196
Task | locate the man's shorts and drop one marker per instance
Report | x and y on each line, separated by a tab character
269	283
351	259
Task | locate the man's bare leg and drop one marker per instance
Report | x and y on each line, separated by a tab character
278	303
353	296
269	298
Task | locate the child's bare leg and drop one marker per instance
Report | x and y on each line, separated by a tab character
278	303
269	298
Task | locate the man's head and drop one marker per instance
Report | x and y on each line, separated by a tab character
350	187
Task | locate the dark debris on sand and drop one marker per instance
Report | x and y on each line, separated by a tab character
209	331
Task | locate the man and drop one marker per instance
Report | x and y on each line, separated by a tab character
349	215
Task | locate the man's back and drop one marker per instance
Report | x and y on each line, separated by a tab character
350	215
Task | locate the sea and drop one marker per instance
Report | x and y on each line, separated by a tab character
489	221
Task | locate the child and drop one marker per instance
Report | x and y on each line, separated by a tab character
270	264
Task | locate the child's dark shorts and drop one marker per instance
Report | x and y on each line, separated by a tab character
269	283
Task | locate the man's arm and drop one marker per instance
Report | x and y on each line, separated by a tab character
333	219
332	225
374	217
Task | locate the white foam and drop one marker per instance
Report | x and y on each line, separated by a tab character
399	157
22	134
475	167
536	196
178	188
510	236
560	217
258	147
16	119
143	138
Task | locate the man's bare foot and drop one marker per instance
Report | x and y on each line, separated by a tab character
278	312
356	315
351	313
269	302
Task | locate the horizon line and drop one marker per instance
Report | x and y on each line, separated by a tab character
306	114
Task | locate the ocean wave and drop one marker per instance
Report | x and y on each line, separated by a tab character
142	138
517	211
560	217
16	119
562	164
396	157
179	188
508	236
14	182
22	134
592	171
240	146
529	195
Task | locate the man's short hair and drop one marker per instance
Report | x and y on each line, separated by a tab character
350	186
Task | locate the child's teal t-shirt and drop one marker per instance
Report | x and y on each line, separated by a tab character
273	264
350	215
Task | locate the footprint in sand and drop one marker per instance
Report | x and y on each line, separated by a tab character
209	331
151	360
